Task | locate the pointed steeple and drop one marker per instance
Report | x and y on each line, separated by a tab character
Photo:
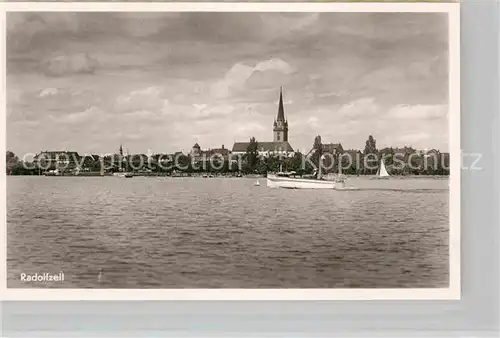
281	110
121	150
280	129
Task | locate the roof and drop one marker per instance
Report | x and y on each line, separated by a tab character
405	150
196	145
332	147
138	156
241	147
353	152
55	154
219	151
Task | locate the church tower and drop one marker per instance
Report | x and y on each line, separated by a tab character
280	129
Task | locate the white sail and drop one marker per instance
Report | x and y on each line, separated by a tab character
382	172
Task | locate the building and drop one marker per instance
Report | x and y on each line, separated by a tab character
280	129
60	160
436	160
404	151
279	145
352	161
265	148
332	148
197	153
222	151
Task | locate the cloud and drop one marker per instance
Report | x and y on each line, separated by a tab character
199	106
370	109
411	138
90	114
49	92
145	24
145	99
141	115
153	105
26	124
250	127
237	77
36	103
70	64
214	112
212	75
418	112
274	64
361	108
234	79
313	122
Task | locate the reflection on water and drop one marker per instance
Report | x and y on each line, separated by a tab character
226	233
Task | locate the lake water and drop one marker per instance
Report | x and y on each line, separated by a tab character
226	233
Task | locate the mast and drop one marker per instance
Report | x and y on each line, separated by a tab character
320	163
340	165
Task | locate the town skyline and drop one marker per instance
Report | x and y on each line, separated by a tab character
89	82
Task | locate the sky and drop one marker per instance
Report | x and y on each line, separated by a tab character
161	82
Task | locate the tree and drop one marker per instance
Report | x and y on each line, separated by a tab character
273	163
11	161
184	163
295	163
370	160
317	150
252	155
261	167
370	145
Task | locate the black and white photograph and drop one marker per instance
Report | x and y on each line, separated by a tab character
302	149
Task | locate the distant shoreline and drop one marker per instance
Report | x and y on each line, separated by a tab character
254	176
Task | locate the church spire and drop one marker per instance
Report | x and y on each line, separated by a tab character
280	129
281	110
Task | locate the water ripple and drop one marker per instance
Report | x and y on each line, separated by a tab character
212	233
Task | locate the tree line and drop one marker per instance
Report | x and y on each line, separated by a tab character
398	161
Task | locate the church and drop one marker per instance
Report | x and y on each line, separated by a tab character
279	145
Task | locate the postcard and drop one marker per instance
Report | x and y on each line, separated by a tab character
243	151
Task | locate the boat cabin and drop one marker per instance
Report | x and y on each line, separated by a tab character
286	174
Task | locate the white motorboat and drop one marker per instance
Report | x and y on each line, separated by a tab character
123	174
282	180
289	181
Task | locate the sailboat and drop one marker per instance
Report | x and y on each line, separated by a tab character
340	180
382	173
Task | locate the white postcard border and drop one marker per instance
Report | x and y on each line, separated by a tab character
452	292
